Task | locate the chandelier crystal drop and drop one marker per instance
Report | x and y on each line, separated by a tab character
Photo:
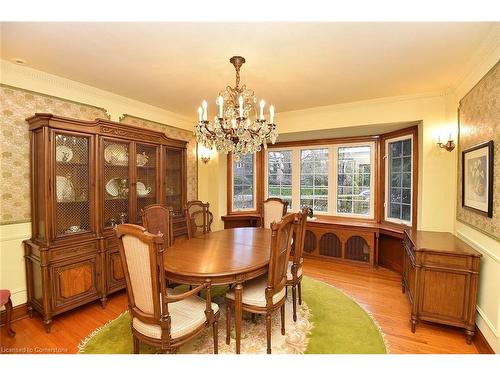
239	126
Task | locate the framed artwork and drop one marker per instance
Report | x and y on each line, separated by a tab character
477	180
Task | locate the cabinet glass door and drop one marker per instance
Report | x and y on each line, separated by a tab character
116	183
72	184
173	176
146	172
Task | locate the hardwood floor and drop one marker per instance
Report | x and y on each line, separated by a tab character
377	290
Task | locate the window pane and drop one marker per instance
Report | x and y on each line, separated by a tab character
279	166
243	186
314	179
400	180
353	189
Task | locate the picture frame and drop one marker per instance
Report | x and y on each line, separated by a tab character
477	180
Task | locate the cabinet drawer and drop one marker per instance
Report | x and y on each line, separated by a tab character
72	251
447	261
111	242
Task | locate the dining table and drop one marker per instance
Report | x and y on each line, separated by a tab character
229	256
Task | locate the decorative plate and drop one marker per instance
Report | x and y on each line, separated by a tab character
142	159
64	154
142	190
116	154
117	187
65	191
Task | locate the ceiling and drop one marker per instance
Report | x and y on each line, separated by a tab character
293	65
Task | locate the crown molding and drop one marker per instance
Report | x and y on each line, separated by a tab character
25	78
485	51
383	100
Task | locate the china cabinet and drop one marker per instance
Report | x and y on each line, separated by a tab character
87	177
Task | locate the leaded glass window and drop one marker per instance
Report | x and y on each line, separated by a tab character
243	183
314	179
399	160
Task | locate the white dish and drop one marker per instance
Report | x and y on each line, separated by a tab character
142	159
65	191
116	154
142	190
114	187
64	154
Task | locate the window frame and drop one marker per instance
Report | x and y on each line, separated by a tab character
255	204
373	166
266	172
328	174
406	133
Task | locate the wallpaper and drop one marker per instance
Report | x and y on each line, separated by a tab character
18	104
172	132
479	122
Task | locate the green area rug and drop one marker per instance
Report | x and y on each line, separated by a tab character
329	322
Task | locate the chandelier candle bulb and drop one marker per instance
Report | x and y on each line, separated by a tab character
240	101
271	114
220	102
262	104
204	104
200	114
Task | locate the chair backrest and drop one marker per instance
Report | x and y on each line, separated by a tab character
141	254
273	209
198	218
299	236
281	243
159	219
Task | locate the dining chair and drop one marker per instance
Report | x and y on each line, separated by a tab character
198	218
273	209
6	301
267	293
157	219
161	317
294	272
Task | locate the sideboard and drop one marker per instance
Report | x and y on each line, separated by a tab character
440	278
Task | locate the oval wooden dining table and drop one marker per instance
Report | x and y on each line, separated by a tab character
230	256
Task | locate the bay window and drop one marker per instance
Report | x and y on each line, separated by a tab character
331	179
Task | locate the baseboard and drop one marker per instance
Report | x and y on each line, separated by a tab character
18	312
481	344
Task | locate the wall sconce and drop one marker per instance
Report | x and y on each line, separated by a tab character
205	154
448	146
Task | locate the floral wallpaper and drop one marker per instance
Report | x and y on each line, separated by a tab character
173	132
18	104
479	119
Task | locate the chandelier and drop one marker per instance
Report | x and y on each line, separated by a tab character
239	127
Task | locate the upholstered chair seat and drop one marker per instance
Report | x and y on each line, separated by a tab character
254	293
289	275
186	316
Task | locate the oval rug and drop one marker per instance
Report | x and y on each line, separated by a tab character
329	322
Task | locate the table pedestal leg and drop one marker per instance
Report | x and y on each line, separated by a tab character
238	301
